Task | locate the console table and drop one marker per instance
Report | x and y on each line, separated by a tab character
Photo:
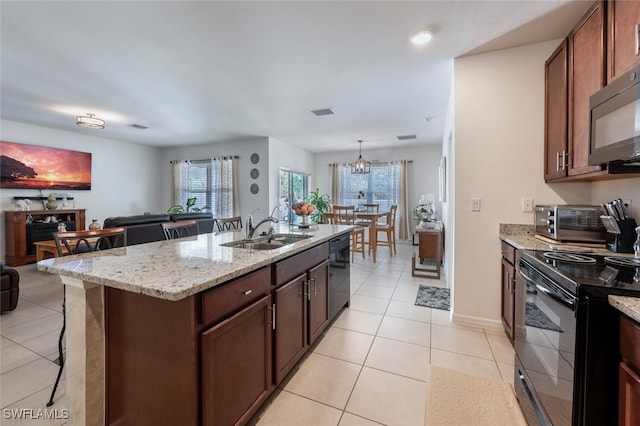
20	234
430	246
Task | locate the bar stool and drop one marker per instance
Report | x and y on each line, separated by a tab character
180	229
345	215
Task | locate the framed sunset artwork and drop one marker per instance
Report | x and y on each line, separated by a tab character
25	166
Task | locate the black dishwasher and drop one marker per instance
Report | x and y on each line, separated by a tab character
339	274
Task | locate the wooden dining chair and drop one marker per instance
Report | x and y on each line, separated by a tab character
345	215
180	229
389	229
229	223
76	242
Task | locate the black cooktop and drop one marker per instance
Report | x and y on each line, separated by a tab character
586	269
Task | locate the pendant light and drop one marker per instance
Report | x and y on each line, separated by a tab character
360	166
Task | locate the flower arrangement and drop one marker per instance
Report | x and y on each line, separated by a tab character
361	195
425	210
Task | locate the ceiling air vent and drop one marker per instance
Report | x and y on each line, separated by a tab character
138	126
325	111
406	137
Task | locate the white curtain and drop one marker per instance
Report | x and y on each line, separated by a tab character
179	181
224	185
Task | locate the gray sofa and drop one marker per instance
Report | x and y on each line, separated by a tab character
148	227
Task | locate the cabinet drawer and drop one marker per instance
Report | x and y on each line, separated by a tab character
508	252
290	268
630	341
221	302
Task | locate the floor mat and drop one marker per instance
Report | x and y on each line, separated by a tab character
433	297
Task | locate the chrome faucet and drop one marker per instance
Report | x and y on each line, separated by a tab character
251	229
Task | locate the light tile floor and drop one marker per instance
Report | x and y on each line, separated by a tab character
371	367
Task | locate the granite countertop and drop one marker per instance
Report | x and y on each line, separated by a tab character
626	305
176	269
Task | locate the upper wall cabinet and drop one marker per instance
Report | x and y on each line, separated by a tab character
575	71
623	43
586	76
555	114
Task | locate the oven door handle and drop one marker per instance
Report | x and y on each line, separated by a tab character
570	303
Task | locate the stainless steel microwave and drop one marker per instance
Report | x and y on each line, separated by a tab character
615	121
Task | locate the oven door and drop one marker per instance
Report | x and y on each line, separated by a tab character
545	339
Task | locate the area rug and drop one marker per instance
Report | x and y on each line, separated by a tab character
433	297
456	398
536	318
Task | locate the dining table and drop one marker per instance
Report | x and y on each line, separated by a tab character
366	216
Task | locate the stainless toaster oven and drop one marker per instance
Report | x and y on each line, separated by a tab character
570	223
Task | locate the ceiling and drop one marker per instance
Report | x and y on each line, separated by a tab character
211	71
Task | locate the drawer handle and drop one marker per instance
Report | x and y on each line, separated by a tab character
248	292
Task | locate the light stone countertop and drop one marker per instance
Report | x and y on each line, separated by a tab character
176	269
627	305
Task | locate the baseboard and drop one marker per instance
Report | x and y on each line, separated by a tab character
477	321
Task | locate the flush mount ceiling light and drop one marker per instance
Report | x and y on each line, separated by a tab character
90	121
360	166
422	37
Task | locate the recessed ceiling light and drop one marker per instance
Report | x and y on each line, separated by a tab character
422	37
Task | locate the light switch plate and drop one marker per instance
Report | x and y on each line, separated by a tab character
475	204
527	204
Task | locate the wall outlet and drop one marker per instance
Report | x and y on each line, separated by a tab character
527	204
475	204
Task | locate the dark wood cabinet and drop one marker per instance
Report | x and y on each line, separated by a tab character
301	306
623	43
556	95
236	365
629	385
586	76
23	228
318	300
291	325
508	289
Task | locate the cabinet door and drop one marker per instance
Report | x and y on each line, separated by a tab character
318	297
622	42
236	365
555	119
290	325
629	397
586	77
508	297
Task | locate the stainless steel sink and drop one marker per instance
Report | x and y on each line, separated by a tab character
267	242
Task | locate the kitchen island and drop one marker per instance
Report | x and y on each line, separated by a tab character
189	331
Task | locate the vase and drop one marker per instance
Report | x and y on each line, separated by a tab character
52	204
94	225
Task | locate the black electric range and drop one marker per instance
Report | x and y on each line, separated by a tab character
567	335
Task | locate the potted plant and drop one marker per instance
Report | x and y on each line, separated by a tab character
322	204
189	207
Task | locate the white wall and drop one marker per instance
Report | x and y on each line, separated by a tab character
423	172
244	149
498	149
627	189
125	177
285	156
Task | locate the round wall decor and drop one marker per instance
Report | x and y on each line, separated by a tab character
255	173
255	158
254	188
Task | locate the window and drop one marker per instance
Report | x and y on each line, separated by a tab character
211	182
294	187
381	186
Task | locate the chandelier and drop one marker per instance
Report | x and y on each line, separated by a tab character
360	166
